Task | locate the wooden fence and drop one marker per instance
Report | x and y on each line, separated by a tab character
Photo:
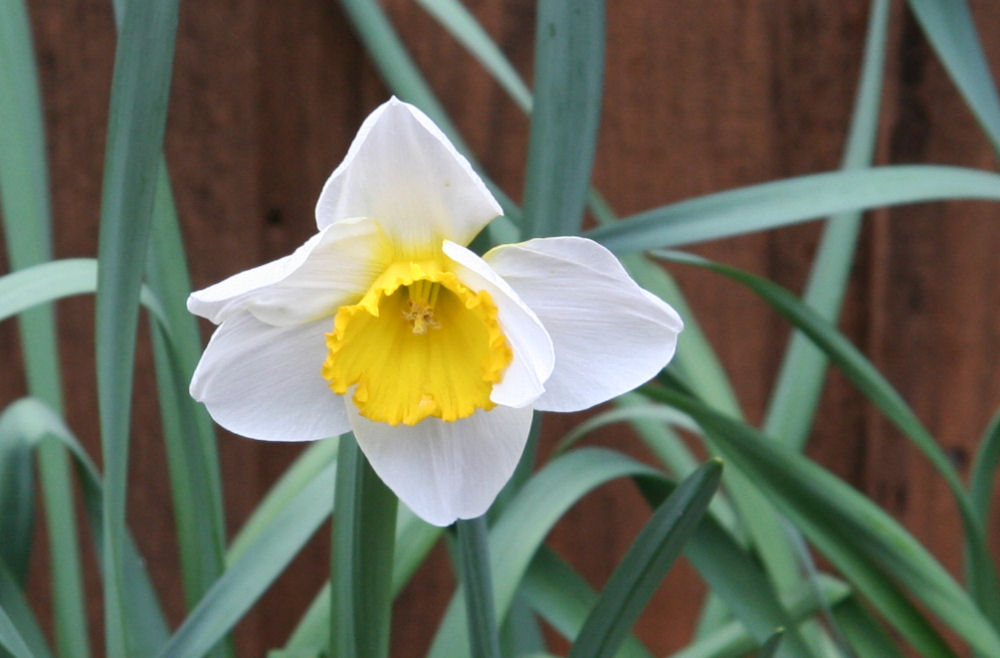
699	97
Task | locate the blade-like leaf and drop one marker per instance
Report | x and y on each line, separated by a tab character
466	29
984	469
10	639
260	562
980	580
635	412
24	191
33	420
949	27
770	647
644	566
296	477
697	361
404	78
25	209
137	117
704	371
569	74
474	567
17	498
866	638
414	540
48	282
19	630
524	524
732	639
363	533
734	575
189	436
871	382
564	599
521	633
793	200
795	397
854	533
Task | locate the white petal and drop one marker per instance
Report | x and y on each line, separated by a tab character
334	267
610	335
446	471
402	171
264	382
534	358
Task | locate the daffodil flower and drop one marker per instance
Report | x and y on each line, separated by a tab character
384	323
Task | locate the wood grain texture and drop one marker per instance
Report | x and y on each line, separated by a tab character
699	97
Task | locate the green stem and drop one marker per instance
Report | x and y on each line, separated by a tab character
474	567
363	540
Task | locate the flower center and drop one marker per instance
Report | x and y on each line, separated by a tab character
419	311
418	344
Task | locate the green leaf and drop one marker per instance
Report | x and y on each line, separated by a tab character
647	561
866	638
32	420
189	436
17	498
10	639
696	360
871	382
48	282
524	524
984	468
795	397
855	535
137	116
733	639
521	633
564	599
19	630
25	209
24	191
316	457
733	574
729	570
414	540
569	73
260	562
464	27
634	411
981	483
949	27
312	634
473	563
404	78
796	393
363	533
770	647
793	200
703	370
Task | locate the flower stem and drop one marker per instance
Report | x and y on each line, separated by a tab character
364	526
474	567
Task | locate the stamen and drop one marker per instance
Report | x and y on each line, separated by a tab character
420	317
419	310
